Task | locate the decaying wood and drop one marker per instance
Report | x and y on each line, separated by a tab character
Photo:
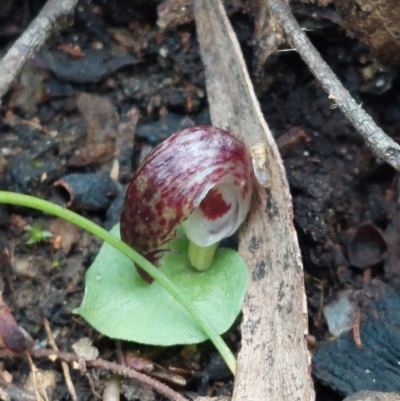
373	396
268	36
381	144
55	14
376	23
347	367
274	363
172	13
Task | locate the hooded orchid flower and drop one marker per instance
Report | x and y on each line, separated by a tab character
200	177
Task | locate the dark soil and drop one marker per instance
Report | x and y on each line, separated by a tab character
47	132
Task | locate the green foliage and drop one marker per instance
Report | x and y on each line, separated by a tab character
120	304
37	234
178	294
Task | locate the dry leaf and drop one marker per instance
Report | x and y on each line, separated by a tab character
14	337
84	349
102	122
68	233
44	382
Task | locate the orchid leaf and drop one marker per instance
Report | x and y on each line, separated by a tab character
121	305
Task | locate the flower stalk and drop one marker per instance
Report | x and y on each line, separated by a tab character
201	257
14	198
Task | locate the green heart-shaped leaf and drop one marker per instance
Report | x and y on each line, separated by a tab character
120	304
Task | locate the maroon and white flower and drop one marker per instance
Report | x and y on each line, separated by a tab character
201	177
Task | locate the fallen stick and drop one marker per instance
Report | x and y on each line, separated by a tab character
64	365
274	362
380	143
55	14
102	364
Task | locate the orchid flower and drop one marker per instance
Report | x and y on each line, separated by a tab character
200	177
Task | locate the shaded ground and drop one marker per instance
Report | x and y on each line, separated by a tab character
53	124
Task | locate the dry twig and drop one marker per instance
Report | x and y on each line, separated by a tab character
113	367
274	362
92	386
380	144
64	365
35	376
356	327
55	14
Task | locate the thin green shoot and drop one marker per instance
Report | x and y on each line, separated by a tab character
14	198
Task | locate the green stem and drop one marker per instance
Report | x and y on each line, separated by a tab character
45	206
201	257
